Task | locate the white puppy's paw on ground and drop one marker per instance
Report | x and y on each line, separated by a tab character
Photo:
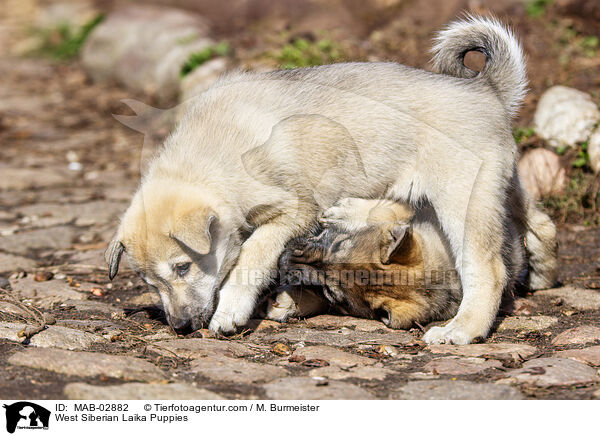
231	314
449	334
226	323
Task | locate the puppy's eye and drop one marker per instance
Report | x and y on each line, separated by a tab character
182	268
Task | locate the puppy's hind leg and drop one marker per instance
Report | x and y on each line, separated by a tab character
541	246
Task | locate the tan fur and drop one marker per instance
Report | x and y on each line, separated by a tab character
265	153
358	276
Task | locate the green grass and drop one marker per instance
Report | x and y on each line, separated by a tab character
537	8
581	201
65	41
304	53
521	134
582	158
200	57
590	45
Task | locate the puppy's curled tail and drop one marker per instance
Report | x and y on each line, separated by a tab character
504	68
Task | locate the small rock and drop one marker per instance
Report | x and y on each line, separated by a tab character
386	350
455	390
594	150
43	276
454	365
541	173
578	298
579	335
281	350
565	116
553	371
502	350
527	323
305	388
86	364
590	355
138	391
232	370
333	356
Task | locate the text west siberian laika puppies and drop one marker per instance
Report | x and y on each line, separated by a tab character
259	155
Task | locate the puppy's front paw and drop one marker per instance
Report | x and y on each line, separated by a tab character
338	214
231	314
227	323
282	308
449	334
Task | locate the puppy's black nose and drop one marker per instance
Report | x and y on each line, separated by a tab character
181	326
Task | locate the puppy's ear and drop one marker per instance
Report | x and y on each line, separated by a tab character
194	230
113	256
393	241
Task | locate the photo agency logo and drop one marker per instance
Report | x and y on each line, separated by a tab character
24	415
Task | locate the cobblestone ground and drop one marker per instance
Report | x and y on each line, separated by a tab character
68	169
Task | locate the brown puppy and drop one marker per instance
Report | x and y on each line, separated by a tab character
385	266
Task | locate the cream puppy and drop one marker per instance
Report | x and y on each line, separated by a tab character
255	160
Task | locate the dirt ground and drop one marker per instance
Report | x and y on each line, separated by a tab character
68	169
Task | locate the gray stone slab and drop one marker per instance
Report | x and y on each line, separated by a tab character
87	364
553	371
455	390
138	391
307	388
